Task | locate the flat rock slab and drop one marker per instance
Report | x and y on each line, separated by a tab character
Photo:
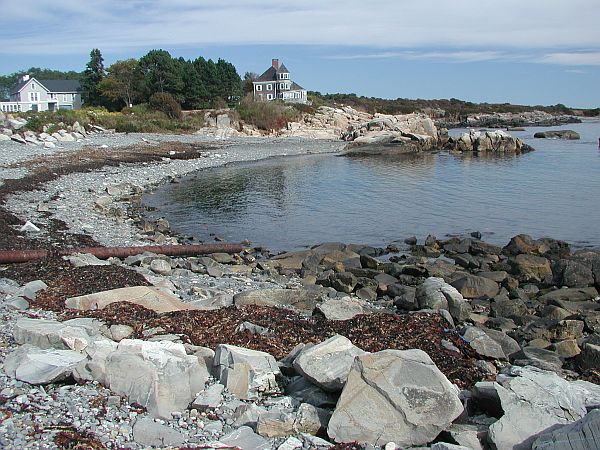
151	298
395	396
245	439
37	366
344	308
148	432
304	299
581	435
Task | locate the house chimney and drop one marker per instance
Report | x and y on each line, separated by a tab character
25	77
275	63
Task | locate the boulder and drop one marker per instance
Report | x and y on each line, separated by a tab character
246	373
531	268
210	398
343	308
572	274
533	401
328	363
537	357
304	298
343	282
41	366
395	396
435	293
307	419
158	375
85	259
571	295
472	286
74	334
149	297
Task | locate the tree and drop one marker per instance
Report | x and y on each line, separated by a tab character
92	76
123	82
249	79
161	73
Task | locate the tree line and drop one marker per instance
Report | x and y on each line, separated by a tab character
194	84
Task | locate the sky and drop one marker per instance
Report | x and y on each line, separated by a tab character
518	51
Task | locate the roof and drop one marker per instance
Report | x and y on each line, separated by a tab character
296	87
269	75
61	85
283	69
51	85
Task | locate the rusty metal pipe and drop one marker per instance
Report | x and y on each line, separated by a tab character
19	256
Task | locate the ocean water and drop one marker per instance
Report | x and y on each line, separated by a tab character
293	202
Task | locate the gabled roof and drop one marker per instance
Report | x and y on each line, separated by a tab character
50	85
296	87
61	85
283	69
269	75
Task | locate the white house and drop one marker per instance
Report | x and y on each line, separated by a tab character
43	95
276	83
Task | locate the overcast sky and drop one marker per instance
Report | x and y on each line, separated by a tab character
519	51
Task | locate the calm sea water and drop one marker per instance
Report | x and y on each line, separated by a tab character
289	203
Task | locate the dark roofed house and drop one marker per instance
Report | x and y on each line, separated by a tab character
43	95
276	83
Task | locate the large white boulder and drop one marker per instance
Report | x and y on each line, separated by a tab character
328	363
158	375
246	373
394	396
435	293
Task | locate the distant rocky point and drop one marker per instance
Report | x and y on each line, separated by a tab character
558	134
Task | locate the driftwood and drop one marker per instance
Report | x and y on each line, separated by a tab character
18	256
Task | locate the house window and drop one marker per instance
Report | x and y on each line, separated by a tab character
259	87
65	97
281	85
33	86
34	96
269	96
269	87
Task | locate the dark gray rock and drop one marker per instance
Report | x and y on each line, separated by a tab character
343	282
571	273
473	286
557	134
537	357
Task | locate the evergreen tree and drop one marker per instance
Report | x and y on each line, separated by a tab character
162	73
92	76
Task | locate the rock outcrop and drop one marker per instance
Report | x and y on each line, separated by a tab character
557	134
487	141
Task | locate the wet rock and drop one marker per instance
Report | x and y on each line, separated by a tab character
394	396
148	432
151	298
246	373
472	286
303	298
435	293
328	363
41	366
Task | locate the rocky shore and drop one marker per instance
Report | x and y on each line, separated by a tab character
509	120
447	343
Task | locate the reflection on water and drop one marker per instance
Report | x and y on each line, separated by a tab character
292	202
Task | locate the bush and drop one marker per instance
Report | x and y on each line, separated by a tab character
267	116
165	102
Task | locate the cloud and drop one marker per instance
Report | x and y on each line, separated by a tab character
72	26
572	59
445	56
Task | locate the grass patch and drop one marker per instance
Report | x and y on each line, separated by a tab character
268	116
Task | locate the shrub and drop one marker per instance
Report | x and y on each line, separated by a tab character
266	115
165	102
